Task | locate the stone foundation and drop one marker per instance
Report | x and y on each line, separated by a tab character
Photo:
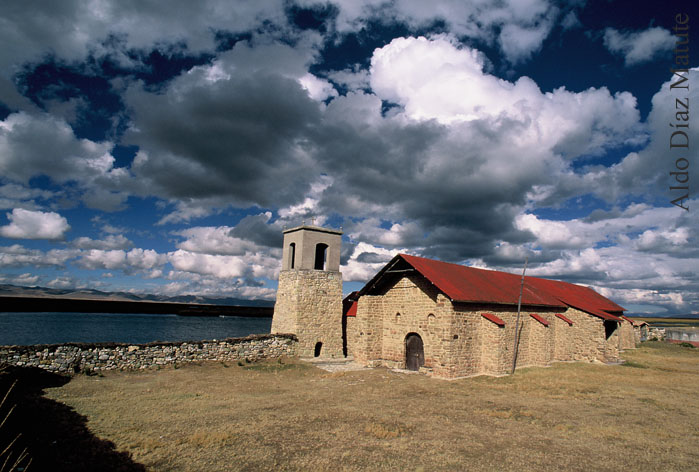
72	358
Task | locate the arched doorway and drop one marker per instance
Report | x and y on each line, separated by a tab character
414	352
316	350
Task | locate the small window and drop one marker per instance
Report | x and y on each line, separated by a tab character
292	255
397	317
321	256
431	318
316	351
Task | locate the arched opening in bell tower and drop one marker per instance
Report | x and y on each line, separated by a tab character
321	256
292	255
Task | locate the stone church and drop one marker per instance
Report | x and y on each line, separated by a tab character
443	319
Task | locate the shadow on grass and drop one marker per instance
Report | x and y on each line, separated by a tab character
56	438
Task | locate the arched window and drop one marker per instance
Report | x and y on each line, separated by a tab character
321	256
292	255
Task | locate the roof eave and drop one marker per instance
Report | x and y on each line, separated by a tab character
491	302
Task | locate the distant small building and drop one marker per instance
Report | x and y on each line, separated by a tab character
641	331
444	319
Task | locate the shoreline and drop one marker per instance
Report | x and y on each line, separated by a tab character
20	304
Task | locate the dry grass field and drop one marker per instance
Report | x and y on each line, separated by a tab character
643	415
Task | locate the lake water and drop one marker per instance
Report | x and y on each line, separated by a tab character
53	328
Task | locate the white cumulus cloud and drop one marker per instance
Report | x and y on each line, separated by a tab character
638	47
28	224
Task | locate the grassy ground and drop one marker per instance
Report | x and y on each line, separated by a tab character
293	416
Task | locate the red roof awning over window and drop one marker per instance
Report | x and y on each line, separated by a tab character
493	318
567	320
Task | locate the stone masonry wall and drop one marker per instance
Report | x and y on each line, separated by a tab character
539	340
413	305
493	339
309	305
467	342
627	335
79	357
365	339
382	323
587	340
285	318
562	336
493	345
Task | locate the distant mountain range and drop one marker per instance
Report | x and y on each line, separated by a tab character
655	315
89	294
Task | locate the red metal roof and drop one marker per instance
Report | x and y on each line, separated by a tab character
352	309
493	318
577	296
468	284
540	319
564	318
471	285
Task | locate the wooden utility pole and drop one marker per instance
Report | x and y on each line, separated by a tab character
519	307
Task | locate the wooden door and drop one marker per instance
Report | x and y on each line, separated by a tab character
414	352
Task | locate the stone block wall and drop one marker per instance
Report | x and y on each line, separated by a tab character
377	335
539	339
493	339
365	339
586	341
71	358
627	335
563	334
413	306
309	305
466	343
493	346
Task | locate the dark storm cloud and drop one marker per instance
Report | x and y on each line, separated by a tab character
242	137
256	228
424	174
347	251
373	258
512	256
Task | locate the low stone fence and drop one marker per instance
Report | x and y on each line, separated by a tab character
688	335
657	334
72	358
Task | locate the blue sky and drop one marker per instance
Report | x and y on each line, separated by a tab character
162	147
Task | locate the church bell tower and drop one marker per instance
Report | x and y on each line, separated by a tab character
309	294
